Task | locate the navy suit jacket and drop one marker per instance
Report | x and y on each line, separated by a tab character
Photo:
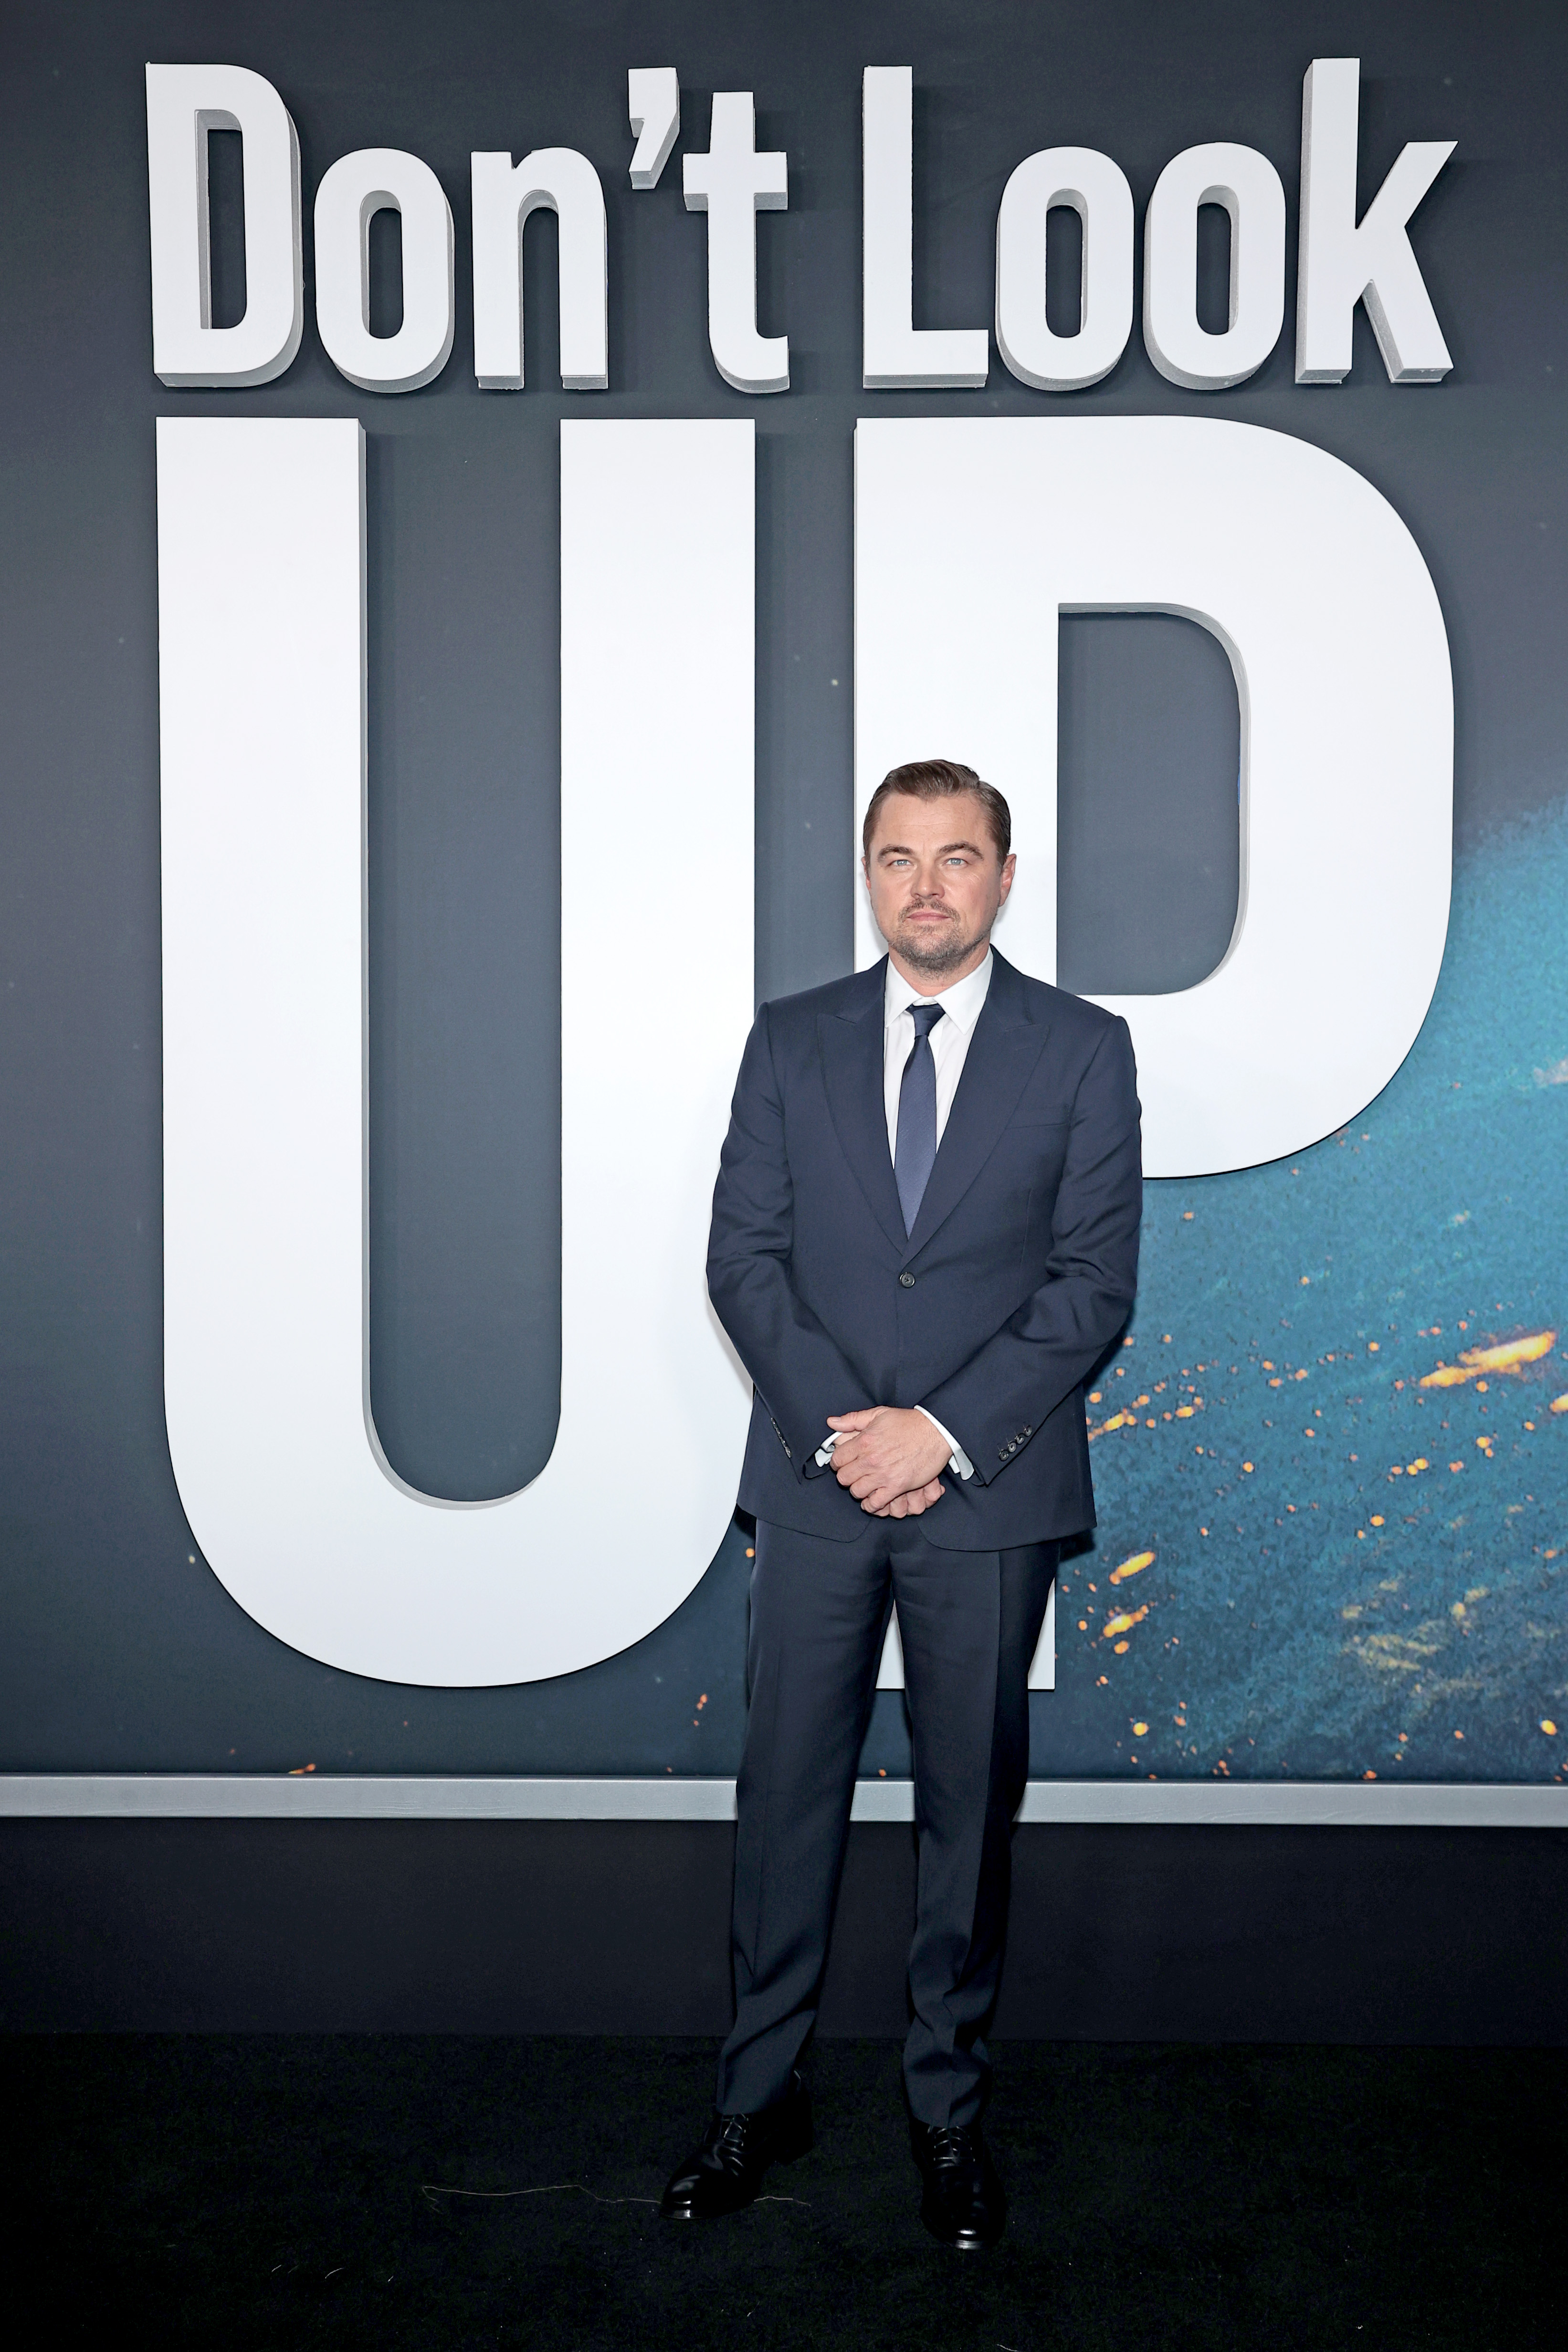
1019	1275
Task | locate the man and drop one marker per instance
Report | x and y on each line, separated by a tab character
924	1236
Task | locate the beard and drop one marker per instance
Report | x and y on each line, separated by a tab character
933	955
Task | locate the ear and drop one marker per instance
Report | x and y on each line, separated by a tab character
1009	864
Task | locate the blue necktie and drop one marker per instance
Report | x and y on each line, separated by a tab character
917	1148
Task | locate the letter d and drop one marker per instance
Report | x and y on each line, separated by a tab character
185	103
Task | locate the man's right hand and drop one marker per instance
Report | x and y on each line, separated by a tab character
909	1507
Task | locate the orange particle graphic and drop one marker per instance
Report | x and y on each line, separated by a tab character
1133	1567
1377	1518
1120	1647
1549	1727
1140	1731
1507	1357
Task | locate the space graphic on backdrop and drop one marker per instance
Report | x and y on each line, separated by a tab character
1332	1462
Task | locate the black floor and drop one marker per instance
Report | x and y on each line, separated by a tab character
295	2192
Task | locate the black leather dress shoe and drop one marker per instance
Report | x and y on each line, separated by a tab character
963	2203
725	2174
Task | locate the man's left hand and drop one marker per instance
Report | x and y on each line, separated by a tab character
884	1453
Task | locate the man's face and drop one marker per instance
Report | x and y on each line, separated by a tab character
935	880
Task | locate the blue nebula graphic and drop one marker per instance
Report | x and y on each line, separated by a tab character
1355	1569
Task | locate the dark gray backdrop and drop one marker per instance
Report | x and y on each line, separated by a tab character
122	1650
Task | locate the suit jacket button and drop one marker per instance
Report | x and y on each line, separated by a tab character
907	1280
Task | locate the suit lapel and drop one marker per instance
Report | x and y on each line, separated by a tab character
851	1049
1002	1054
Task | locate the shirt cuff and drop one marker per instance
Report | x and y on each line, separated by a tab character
958	1461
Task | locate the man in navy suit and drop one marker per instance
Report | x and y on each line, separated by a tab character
925	1236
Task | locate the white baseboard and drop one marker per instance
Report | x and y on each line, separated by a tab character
142	1796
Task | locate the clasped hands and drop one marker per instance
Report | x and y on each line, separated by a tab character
889	1459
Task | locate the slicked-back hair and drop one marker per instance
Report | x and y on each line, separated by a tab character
941	780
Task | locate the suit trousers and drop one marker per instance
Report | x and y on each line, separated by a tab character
968	1622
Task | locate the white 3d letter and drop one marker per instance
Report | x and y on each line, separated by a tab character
183	104
654	112
266	1363
1248	187
563	182
1320	596
732	184
358	186
1096	189
1342	265
895	352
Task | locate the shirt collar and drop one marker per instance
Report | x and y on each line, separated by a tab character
960	1004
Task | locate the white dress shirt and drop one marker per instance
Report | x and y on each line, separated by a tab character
961	1006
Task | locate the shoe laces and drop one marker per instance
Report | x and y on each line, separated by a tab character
949	2145
729	2141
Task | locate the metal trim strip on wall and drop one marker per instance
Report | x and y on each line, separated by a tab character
187	1796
